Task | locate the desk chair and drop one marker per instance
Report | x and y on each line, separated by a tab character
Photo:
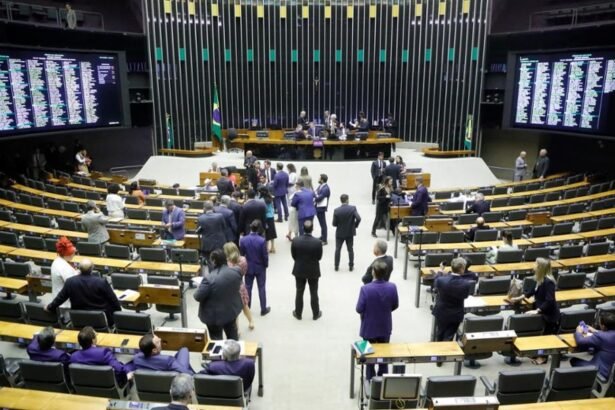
89	248
570	193
10	375
95	318
452	237
552	196
71	207
484	235
576	208
165	280
570	281
44	376
500	190
194	204
140	214
582	191
153	254
25	199
509	256
42	220
131	200
375	402
34	242
540	231
154	202
606	222
570	251
531	254
17	270
475	258
168	191
447	386
154	385
100	184
35	314
523	325
5	215
67	224
155	215
94	196
596	206
533	186
425	238
50	243
498	285
500	202
9	238
62	190
570	383
434	259
516	201
559	210
486	191
452	206
185	256
563	228
537	198
516	387
474	324
187	192
50	188
37	201
219	390
98	381
11	311
517	233
519	188
553	183
467	219
589	225
574	179
132	323
604	278
570	319
79	193
444	194
493	216
23	218
118	251
55	204
605	387
10	195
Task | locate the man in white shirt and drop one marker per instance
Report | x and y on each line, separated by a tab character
115	203
61	268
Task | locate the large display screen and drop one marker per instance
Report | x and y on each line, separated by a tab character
570	91
42	90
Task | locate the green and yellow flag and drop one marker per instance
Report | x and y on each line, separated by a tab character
468	139
216	119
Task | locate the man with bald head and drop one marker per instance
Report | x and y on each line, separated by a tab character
542	165
87	292
480	224
520	167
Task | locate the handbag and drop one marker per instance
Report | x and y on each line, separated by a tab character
515	289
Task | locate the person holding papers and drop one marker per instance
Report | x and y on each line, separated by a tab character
377	300
322	203
601	341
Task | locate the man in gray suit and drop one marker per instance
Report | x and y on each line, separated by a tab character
520	167
346	219
94	223
212	228
542	165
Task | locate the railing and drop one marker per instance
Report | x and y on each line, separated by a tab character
502	172
48	16
123	170
573	16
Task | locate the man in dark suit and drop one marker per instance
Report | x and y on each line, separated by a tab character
377	170
380	250
252	174
480	225
306	252
280	188
90	354
237	209
212	228
182	393
377	301
451	290
229	218
251	211
303	201
224	184
601	341
149	357
41	348
480	206
322	204
254	248
393	170
541	168
268	172
87	292
346	219
232	364
420	199
173	220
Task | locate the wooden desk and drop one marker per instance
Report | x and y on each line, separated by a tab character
548	345
34	254
480	269
129	237
119	343
556	239
571	217
5	250
27	228
488	244
17	332
608	291
492	225
4	223
38	210
441	247
568	338
106	262
10	285
587	260
68	234
491	304
600	233
502	268
603	212
74	185
141	222
573	296
190	270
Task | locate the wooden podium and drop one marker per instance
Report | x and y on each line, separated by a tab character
173	338
129	237
213	176
411	180
439	224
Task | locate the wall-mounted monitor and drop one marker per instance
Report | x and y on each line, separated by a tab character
562	91
44	90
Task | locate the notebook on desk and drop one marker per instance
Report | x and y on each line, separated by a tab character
363	347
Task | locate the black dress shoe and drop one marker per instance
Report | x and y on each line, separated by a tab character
374	235
351	268
296	316
267	310
337	268
318	316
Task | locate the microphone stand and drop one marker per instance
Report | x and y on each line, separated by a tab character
362	403
184	319
418	275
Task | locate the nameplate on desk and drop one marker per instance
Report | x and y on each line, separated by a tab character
488	342
131	405
474	403
139	236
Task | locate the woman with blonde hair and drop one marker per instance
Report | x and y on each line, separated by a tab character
544	299
236	261
306	178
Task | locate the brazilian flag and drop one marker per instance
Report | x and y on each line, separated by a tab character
216	121
467	143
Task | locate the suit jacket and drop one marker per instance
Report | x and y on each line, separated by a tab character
544	299
479	207
393	171
470	234
603	344
377	169
368	277
160	362
254	248
87	292
452	291
101	356
280	183
51	355
376	302
322	192
251	211
237	209
303	200
541	167
213	231
231	224
420	201
252	176
177	219
218	296
225	186
94	224
243	368
268	173
346	218
306	252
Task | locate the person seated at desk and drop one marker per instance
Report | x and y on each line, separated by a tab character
41	348
87	292
480	206
507	245
135	190
480	225
360	124
182	393
90	354
601	341
302	121
232	364
149	357
380	250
